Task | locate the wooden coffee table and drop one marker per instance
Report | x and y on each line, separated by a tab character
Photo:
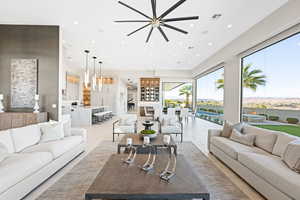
120	181
137	141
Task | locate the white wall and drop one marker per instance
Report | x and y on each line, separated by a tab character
282	19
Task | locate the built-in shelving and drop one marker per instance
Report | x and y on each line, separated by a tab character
150	89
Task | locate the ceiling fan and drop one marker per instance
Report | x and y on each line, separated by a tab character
158	21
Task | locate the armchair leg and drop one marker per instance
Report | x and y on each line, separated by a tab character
113	137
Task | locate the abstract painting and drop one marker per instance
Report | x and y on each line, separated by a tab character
24	82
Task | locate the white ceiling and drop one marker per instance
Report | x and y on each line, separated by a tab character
97	32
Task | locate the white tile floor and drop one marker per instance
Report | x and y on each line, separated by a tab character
195	131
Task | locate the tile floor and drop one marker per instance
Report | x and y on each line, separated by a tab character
194	130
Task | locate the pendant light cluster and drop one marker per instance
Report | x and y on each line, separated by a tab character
96	78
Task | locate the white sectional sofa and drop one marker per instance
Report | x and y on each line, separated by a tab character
258	165
30	162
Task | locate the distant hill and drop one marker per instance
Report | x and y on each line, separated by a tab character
270	100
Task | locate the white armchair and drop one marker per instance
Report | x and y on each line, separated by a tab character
171	125
124	125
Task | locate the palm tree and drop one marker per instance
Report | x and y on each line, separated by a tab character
251	78
186	90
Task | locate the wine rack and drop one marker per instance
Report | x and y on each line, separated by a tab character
150	89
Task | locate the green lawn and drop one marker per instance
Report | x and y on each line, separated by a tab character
290	129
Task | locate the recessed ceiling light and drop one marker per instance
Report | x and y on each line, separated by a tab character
210	44
229	26
75	22
192	25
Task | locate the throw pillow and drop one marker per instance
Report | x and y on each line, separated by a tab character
67	127
3	152
227	129
291	155
265	139
25	137
239	127
6	140
52	132
281	143
246	139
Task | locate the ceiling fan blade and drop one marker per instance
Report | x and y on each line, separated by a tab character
180	19
149	35
163	33
172	8
124	4
174	28
122	21
138	29
153	3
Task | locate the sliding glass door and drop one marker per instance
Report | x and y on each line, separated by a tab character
177	94
271	87
210	95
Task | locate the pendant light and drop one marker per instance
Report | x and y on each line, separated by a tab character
100	81
94	79
86	73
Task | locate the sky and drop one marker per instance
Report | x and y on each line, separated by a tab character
280	64
174	94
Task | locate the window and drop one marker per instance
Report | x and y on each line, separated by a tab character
271	87
210	95
177	94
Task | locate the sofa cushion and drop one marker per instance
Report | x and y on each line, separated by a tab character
25	136
274	171
169	120
6	140
124	129
281	143
171	129
265	139
127	120
245	139
3	152
17	167
227	129
58	147
52	132
66	121
232	148
291	156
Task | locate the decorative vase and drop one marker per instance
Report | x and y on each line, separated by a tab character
36	106
1	103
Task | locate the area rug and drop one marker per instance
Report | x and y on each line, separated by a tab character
76	182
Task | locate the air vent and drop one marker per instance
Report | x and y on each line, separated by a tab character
216	16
